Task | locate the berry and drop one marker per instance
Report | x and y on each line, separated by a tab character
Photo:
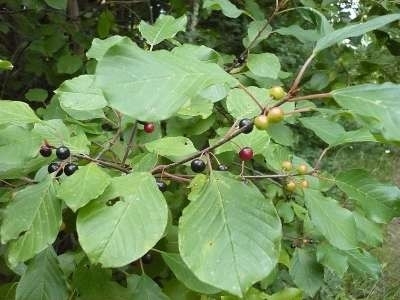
291	186
149	127
70	169
261	122
53	167
63	152
246	153
222	167
162	186
302	169
277	92
275	115
287	165
45	151
147	258
304	184
246	123
197	165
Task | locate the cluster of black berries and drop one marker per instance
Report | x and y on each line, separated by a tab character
62	153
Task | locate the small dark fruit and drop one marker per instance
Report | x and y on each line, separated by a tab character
147	258
162	186
53	167
247	124
149	127
246	153
63	152
222	167
197	165
70	169
45	151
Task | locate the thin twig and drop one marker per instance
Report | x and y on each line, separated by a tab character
110	143
299	76
311	97
104	163
318	162
251	96
130	143
175	177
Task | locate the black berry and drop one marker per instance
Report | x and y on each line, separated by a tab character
147	258
247	124
222	168
53	167
45	151
70	169
197	165
63	152
162	186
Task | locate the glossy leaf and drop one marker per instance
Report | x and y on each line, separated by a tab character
152	86
379	201
174	148
333	221
216	229
31	221
143	288
91	180
264	65
43	280
379	102
353	30
16	112
165	27
115	232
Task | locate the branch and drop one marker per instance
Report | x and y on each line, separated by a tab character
318	162
311	97
130	143
299	76
251	96
104	163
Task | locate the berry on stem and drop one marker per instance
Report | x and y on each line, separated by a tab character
302	169
291	186
287	165
261	122
162	186
70	169
147	258
63	152
304	184
246	153
275	115
149	127
45	151
53	167
247	124
197	165
277	92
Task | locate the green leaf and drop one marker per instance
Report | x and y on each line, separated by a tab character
165	27
333	133
332	258
199	52
31	221
183	273
306	272
287	294
5	65
253	33
227	8
7	291
240	105
152	86
117	232
368	232
333	221
57	4
143	288
281	134
354	30
43	280
100	47
16	112
217	228
69	64
364	263
36	95
91	180
376	101
379	201
304	36
174	148
264	65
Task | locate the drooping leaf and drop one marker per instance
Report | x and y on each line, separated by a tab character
143	288
216	229
264	65
368	232
379	102
16	112
354	30
99	47
332	258
115	231
333	221
43	279
31	221
174	148
152	86
362	262
165	27
306	272
183	273
379	201
91	180
227	7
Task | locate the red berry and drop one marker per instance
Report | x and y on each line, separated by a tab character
149	127
246	153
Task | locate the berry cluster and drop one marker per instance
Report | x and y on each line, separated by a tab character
301	169
62	154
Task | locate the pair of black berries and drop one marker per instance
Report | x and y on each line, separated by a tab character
62	153
198	165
